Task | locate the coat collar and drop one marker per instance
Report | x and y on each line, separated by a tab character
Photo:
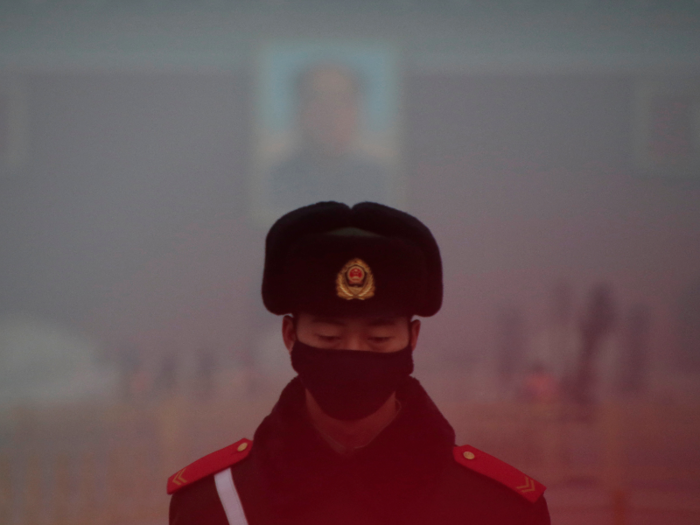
297	466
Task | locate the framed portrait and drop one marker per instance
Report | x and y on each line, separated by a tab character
13	124
667	127
326	126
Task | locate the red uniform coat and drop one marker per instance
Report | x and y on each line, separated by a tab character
411	474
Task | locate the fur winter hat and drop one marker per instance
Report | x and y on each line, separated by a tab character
331	259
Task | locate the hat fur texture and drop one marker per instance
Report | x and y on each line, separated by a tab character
306	249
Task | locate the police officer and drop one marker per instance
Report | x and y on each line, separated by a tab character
353	439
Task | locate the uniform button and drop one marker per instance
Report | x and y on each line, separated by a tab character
469	455
242	447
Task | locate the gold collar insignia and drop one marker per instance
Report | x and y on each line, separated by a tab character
355	281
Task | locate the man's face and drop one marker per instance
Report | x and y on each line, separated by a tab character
329	111
372	334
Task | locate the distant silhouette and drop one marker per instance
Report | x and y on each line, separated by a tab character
206	366
511	346
540	386
689	328
166	380
632	374
596	324
554	350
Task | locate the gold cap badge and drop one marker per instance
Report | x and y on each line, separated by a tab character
355	281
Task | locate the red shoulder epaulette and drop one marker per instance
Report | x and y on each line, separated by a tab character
494	468
210	464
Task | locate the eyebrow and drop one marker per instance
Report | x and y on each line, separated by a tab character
384	321
379	321
327	320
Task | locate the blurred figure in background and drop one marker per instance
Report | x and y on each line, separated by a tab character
128	362
205	368
510	348
596	325
633	370
554	350
540	386
689	328
167	376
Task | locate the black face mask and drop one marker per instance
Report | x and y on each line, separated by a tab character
351	384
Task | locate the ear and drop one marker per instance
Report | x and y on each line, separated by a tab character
289	333
414	332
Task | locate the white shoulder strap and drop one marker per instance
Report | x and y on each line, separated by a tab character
229	498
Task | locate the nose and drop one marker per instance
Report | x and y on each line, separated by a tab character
356	343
